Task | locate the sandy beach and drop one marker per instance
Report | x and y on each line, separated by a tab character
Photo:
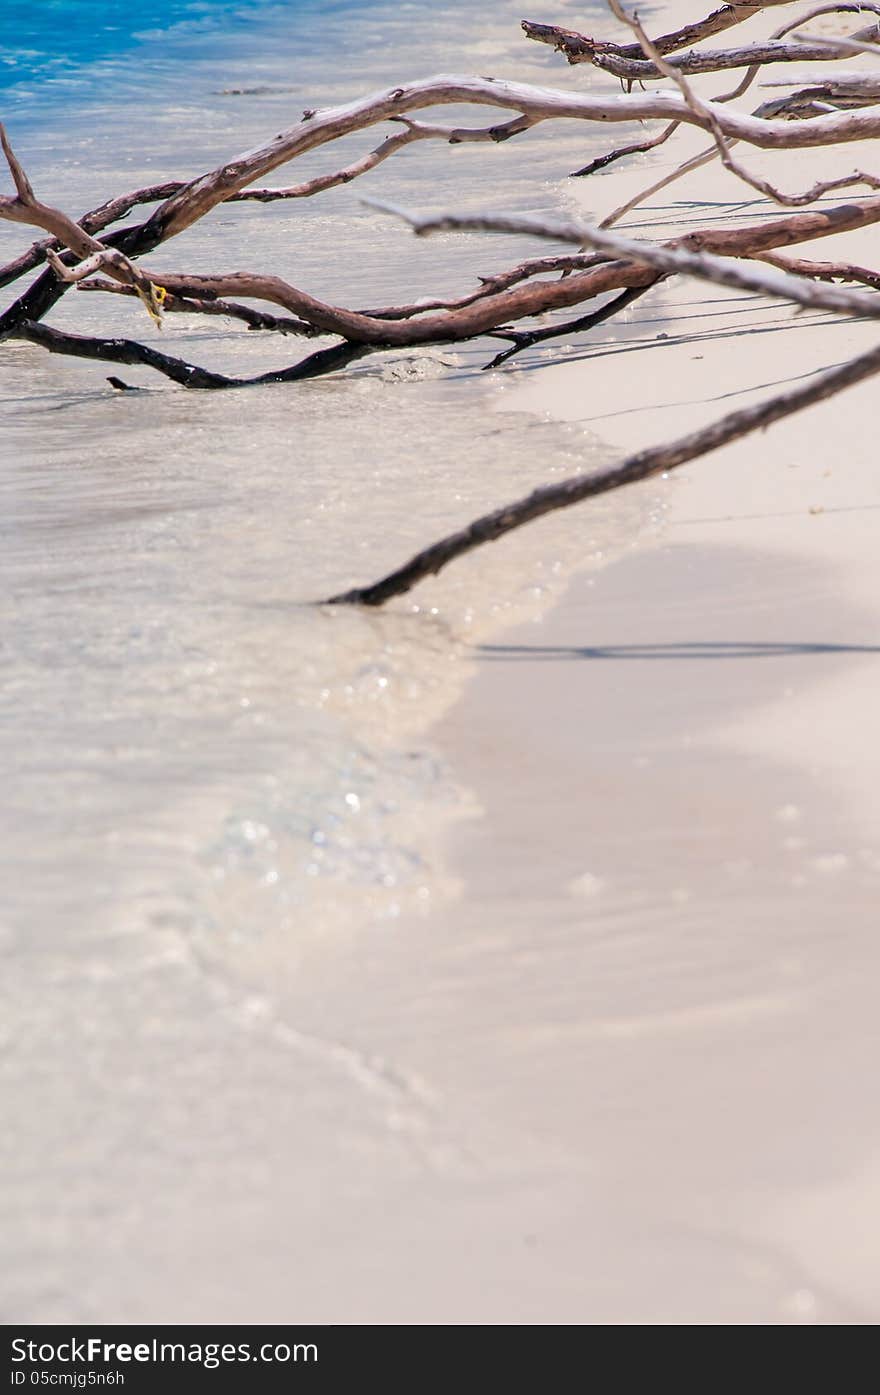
506	957
678	866
679	862
651	1012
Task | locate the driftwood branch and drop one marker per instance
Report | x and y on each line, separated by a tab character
596	277
704	265
529	104
666	67
641	466
799	50
618	270
93	222
116	208
823	271
188	375
644	61
618	264
534	103
495	306
580	48
803	46
856	89
630	264
526	339
601	162
254	319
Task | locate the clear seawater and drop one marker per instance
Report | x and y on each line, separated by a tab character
205	778
184	734
47	43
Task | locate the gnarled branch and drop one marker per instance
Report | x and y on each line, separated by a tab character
707	266
580	48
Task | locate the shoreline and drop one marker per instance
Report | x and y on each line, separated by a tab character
678	866
256	1034
684	931
210	785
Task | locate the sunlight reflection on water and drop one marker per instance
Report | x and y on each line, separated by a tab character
187	742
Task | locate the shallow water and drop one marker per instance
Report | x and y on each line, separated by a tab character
204	774
187	742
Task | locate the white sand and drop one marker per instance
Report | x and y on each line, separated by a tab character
635	1059
674	889
628	1075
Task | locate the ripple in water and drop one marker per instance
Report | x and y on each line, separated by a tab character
192	750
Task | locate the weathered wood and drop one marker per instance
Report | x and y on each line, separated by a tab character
188	375
823	271
535	103
580	48
641	466
497	304
616	267
723	60
526	339
678	256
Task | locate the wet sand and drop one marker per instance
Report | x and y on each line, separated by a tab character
678	864
620	1069
684	923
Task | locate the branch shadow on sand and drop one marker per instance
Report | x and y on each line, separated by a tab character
693	649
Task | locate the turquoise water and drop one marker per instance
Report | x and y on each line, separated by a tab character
159	548
208	783
49	43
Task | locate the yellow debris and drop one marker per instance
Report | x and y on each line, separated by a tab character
153	300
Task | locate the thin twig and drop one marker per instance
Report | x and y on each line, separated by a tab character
526	339
706	266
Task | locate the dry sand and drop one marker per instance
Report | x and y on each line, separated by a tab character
627	1075
671	899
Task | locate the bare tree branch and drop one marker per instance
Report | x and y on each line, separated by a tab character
799	50
114	209
847	48
254	319
617	267
198	197
186	374
492	285
796	105
95	221
579	48
830	113
823	271
535	103
704	265
602	274
601	162
641	466
701	110
526	339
